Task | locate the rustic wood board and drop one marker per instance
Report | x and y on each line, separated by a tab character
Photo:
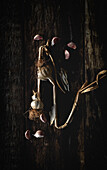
82	145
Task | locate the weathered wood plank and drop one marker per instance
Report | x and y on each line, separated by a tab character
83	143
94	62
11	88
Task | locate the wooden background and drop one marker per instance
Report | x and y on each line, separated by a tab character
82	145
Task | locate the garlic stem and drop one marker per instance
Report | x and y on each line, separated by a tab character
38	79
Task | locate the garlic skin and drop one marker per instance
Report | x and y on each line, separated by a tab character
33	114
39	134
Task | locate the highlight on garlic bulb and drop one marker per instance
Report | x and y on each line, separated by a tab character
39	134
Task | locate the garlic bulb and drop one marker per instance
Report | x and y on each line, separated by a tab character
34	97
37	104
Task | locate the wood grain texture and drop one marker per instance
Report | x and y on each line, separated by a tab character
82	145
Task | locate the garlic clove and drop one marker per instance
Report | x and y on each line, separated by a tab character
38	37
43	118
39	134
67	54
28	134
72	45
54	40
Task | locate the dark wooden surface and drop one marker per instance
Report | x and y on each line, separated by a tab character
82	145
